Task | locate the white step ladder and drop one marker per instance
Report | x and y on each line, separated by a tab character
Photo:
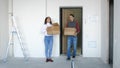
15	31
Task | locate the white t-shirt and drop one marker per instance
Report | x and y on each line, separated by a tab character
44	29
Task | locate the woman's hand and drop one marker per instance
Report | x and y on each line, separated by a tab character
48	28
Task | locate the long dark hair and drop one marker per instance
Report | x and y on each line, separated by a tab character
46	20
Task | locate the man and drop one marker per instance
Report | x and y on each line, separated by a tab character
72	40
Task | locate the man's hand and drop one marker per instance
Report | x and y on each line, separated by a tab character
75	34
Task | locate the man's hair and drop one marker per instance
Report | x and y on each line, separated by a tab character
72	15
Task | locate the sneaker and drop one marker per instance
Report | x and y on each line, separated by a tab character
50	60
68	58
73	57
47	60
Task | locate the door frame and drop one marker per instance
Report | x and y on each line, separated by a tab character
111	30
60	16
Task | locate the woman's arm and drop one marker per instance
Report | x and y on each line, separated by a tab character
43	30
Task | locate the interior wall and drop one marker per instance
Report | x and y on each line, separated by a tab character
3	27
30	15
104	30
116	57
91	10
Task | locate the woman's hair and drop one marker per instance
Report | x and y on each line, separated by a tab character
46	20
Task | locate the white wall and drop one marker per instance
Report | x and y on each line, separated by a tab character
3	26
91	9
104	30
116	59
30	15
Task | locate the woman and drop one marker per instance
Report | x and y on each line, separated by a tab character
48	39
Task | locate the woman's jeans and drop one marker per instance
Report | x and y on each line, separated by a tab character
48	46
71	41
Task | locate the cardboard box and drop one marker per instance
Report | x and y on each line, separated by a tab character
55	24
49	30
54	29
69	31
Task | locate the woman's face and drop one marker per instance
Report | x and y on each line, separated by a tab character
48	20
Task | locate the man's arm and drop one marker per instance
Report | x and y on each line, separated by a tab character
66	24
77	27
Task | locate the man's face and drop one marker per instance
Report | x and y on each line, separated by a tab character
71	18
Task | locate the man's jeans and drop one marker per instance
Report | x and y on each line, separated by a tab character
71	41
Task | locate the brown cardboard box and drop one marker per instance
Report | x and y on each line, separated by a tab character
55	24
69	31
49	30
54	29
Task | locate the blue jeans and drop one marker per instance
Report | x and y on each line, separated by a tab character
71	41
48	46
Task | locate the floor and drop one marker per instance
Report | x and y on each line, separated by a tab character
59	62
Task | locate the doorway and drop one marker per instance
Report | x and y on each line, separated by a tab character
64	14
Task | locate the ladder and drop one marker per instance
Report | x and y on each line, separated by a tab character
15	31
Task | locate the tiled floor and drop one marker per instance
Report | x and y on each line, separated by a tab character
59	62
